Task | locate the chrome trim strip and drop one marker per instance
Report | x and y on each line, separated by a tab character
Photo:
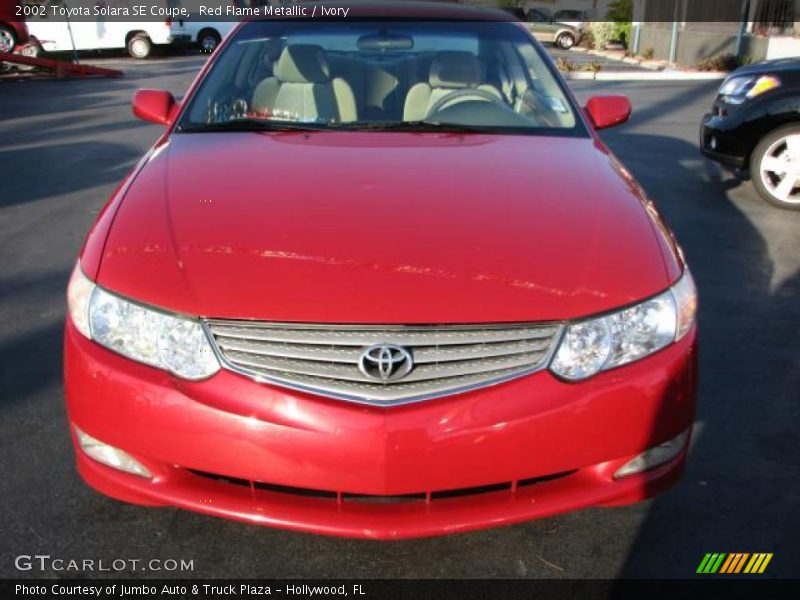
361	336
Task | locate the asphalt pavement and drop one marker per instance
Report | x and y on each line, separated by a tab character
64	146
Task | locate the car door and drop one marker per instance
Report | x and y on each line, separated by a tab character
97	35
59	35
541	25
51	33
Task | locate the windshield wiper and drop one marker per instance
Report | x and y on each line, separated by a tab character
246	124
252	125
423	125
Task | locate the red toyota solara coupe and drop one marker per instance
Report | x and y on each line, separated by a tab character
380	278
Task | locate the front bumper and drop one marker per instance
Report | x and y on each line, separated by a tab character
528	448
721	144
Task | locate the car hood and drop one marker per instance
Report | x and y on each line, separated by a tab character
374	227
777	65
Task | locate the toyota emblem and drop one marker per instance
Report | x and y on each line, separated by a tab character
385	362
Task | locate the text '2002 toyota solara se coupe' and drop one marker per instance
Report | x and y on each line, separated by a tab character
380	278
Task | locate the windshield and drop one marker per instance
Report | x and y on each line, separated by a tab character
467	76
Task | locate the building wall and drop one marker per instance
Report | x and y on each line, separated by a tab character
655	38
694	46
783	47
596	8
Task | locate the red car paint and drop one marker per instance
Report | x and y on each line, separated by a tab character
493	237
10	20
531	427
286	227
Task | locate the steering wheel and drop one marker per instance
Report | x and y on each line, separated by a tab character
465	93
533	104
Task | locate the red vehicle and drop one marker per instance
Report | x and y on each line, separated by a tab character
13	31
380	278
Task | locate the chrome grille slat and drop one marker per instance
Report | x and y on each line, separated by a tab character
301	351
351	354
420	373
324	359
425	354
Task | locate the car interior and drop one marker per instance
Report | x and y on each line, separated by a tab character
378	76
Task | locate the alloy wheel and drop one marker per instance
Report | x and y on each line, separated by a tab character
779	169
7	41
566	41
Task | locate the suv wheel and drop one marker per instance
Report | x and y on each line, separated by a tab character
140	46
775	167
565	41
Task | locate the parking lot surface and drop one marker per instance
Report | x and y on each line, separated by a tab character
65	145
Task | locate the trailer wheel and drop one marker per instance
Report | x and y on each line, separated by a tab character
140	46
32	49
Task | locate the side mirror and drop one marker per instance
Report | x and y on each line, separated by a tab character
155	106
607	111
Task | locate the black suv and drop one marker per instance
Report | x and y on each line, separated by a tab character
754	127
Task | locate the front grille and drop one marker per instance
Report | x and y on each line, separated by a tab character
324	359
342	497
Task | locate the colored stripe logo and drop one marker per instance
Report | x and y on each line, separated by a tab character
736	562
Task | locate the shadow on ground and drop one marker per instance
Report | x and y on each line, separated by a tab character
739	492
743	468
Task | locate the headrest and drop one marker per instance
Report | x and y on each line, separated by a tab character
272	48
303	63
454	69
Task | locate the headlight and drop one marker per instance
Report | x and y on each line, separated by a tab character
738	89
169	342
593	345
